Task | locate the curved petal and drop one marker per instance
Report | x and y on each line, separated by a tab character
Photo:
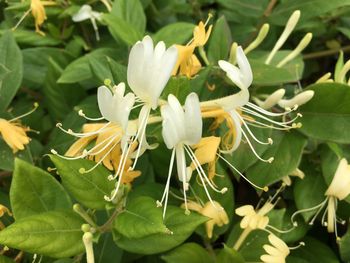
244	66
84	13
193	119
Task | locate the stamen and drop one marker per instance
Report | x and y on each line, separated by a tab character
21	19
201	172
87	134
167	186
82	114
321	205
280	230
270	141
35	106
265	188
263	111
270	160
301	244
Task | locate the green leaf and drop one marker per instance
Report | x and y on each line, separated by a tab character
36	63
80	70
309	192
155	236
8	158
344	247
228	255
188	253
141	218
308	8
11	59
88	188
327	115
35	191
286	150
179	87
106	250
176	33
54	234
3	72
131	11
4	259
314	251
122	30
219	41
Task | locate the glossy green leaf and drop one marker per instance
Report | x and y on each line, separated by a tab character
4	259
11	59
176	33
188	253
106	250
122	30
34	191
88	188
80	70
7	157
54	234
220	41
154	235
228	255
286	150
327	115
308	9
131	11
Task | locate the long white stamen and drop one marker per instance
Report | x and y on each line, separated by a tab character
306	210
259	124
87	134
200	170
120	177
82	114
141	131
138	105
252	134
181	166
269	113
167	186
205	187
280	230
36	105
265	188
283	124
270	160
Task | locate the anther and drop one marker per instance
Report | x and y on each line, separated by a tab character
270	160
53	151
82	170
270	141
265	188
159	204
58	124
224	190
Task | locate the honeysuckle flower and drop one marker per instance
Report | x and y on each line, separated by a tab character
298	100
277	252
13	133
271	100
257	219
149	69
213	210
88	244
339	189
297	172
182	128
187	63
85	13
38	11
112	147
239	113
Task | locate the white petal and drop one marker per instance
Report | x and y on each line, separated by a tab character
243	63
105	98
84	13
193	119
169	131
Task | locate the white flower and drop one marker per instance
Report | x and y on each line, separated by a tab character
181	126
181	129
276	252
149	69
85	13
340	185
114	106
297	100
242	75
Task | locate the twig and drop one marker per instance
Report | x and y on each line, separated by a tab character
326	53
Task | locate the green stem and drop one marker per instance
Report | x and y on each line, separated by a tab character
203	55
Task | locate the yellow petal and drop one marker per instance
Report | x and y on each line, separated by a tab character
77	147
206	149
14	135
184	54
3	210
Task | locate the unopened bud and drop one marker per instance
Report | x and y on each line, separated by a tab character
299	99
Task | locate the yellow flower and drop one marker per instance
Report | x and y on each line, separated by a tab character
276	252
15	134
105	150
200	36
254	219
212	210
187	63
3	210
205	152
